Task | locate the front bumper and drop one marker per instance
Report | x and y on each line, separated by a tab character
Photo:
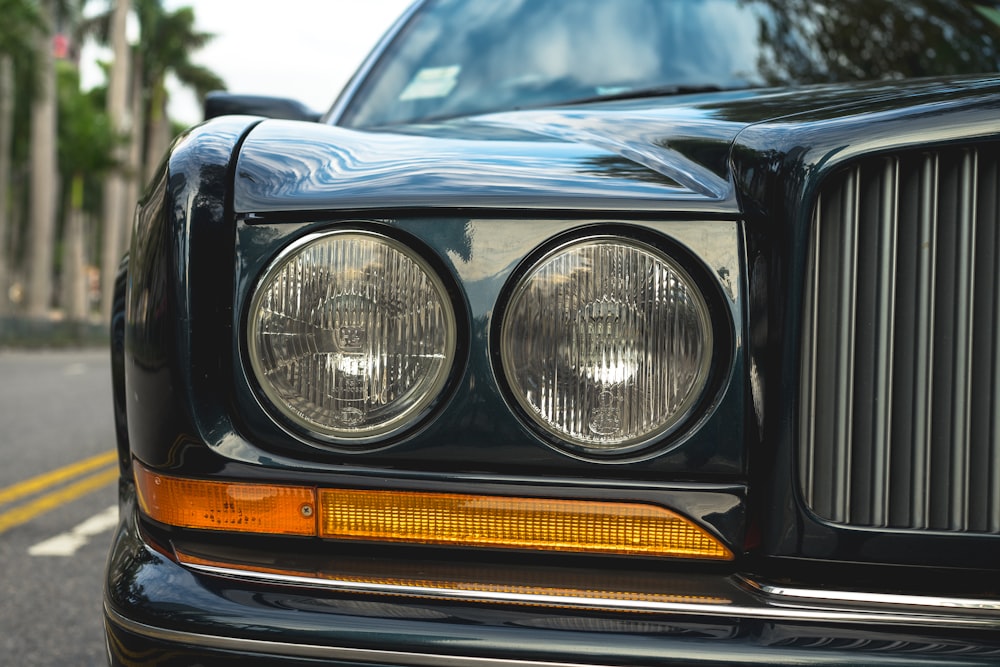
158	611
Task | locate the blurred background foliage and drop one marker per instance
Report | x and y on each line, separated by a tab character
72	161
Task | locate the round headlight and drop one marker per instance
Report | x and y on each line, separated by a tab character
606	344
351	335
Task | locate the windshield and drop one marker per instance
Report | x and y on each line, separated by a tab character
463	57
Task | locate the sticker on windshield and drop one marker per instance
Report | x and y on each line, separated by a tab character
431	82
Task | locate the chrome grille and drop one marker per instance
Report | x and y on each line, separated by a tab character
900	417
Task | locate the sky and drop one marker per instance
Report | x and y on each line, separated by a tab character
307	51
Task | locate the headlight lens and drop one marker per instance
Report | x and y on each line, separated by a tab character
351	335
606	344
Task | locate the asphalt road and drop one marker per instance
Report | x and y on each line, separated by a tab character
57	505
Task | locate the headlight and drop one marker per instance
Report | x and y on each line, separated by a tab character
351	335
606	344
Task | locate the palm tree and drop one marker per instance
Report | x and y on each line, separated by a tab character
86	154
62	18
43	174
115	215
18	34
6	126
168	38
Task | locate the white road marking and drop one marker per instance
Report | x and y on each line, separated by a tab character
67	544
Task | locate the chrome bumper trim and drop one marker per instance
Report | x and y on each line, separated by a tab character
316	651
786	594
761	601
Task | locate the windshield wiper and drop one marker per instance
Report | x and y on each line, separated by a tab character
654	91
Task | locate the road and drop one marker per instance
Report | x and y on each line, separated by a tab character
57	505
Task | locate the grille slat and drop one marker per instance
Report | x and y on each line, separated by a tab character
985	480
965	293
882	361
901	355
927	213
845	359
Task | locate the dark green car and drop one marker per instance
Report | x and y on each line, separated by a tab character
578	332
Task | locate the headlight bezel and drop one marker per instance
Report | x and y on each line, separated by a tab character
416	419
718	322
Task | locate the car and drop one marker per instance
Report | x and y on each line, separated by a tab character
639	332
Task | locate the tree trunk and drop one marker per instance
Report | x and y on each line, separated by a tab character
44	180
157	129
135	183
6	137
74	275
116	186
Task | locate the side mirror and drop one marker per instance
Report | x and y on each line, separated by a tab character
223	104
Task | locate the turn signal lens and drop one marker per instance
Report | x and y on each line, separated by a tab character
579	526
497	522
244	508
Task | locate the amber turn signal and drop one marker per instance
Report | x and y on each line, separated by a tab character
229	506
468	520
582	526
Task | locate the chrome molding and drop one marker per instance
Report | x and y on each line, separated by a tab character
782	594
293	650
752	599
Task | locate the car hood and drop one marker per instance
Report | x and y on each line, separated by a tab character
648	154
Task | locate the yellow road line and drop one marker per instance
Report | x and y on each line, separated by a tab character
44	481
29	511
